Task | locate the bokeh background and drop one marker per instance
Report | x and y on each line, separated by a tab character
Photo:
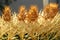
15	4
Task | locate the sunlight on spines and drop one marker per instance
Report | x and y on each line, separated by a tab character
29	21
